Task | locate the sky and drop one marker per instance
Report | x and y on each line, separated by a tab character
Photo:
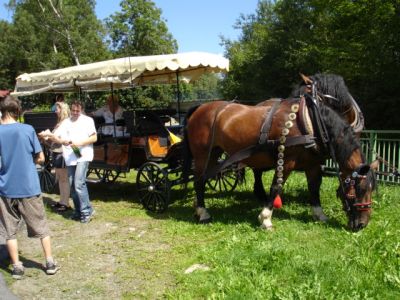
196	24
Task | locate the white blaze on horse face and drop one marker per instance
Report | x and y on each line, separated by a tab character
203	214
265	218
318	214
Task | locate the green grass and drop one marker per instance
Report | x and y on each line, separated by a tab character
300	259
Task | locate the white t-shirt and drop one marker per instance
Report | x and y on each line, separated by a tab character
77	131
109	119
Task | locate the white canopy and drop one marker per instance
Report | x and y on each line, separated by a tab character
122	73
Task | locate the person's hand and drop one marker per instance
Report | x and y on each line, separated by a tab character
45	133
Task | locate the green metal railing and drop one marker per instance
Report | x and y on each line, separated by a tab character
384	144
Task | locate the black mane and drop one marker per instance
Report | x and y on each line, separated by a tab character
329	84
341	135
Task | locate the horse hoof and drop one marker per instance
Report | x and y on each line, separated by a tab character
267	228
323	219
205	221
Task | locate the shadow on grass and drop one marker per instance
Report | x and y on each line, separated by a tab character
238	207
229	207
28	264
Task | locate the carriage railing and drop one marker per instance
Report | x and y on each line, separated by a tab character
378	143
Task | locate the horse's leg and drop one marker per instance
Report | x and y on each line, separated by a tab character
314	180
265	217
199	186
259	190
199	204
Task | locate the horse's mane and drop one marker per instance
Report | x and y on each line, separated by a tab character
340	133
329	84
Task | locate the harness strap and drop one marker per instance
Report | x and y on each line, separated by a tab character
318	123
211	140
266	126
253	149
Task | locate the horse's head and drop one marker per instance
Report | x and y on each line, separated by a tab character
355	192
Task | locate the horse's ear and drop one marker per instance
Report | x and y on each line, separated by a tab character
375	164
306	79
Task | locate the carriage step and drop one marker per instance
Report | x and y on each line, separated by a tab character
89	180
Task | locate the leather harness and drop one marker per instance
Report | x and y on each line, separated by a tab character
264	144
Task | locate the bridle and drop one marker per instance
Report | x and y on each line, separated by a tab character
352	202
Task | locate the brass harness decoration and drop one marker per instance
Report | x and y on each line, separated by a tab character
281	148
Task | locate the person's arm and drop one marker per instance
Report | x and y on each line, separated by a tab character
39	158
53	138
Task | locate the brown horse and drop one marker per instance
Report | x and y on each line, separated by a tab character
218	127
333	92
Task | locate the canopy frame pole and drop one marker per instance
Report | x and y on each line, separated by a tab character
178	97
113	109
132	93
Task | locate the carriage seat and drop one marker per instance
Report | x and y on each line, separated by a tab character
149	132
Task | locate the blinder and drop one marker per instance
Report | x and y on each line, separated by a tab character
349	187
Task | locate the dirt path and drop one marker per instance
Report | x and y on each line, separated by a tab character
92	258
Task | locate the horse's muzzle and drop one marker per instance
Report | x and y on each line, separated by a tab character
357	227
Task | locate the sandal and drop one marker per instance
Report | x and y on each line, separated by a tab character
57	205
62	208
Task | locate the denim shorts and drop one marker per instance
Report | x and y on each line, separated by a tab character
31	210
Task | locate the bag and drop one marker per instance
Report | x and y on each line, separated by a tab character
57	160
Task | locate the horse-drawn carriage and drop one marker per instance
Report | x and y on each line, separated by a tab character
276	134
149	143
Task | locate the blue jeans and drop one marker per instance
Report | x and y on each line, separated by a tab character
79	191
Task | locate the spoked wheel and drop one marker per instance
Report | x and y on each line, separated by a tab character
47	179
104	175
153	187
110	175
226	180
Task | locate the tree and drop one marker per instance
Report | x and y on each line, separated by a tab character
138	29
356	39
7	73
52	34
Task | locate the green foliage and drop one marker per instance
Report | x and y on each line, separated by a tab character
49	38
207	87
138	29
7	72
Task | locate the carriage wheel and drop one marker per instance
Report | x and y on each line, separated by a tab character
110	175
47	180
153	187
226	180
104	175
98	173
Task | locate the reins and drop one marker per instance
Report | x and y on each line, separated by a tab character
394	170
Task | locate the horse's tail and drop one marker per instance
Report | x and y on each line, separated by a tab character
187	154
